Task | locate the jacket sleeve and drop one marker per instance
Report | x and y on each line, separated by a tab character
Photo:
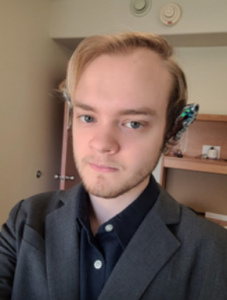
8	253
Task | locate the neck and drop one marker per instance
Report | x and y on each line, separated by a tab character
101	210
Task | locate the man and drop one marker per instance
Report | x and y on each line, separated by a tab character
118	235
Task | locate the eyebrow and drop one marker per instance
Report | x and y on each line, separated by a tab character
84	106
139	111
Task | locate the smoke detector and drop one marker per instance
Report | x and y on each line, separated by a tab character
170	14
140	8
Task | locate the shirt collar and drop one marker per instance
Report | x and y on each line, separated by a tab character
126	222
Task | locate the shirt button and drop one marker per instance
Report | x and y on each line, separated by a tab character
98	264
109	227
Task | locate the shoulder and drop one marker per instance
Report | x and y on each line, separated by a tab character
34	210
204	233
190	228
44	203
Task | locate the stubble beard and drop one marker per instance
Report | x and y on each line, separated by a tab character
101	188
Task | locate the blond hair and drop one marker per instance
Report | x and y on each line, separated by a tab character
123	43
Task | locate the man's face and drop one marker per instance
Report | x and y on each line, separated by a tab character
119	118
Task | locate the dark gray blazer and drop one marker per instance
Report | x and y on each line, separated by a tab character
174	255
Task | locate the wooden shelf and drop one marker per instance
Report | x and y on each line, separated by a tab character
211	118
196	164
204	187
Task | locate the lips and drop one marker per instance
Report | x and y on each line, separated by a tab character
103	168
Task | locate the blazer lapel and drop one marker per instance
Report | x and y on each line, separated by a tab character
149	250
62	249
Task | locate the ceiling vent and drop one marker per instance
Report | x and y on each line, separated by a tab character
140	8
170	14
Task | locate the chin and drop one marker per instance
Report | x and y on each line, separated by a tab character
104	193
104	189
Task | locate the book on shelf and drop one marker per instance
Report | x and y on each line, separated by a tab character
217	218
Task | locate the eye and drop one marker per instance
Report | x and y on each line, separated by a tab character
133	124
87	119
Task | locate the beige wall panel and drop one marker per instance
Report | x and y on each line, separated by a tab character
200	191
30	113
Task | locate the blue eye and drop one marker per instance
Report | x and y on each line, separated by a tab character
87	119
133	124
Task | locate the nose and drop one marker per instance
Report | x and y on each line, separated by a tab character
104	140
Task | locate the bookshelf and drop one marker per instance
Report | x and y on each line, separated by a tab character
199	183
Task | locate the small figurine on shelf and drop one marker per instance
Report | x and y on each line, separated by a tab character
178	152
212	153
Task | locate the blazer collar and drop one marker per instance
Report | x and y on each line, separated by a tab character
150	249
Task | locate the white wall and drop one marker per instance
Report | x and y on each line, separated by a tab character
77	18
206	72
30	116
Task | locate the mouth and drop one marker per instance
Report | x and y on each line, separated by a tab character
103	168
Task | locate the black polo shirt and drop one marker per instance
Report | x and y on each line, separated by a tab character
100	253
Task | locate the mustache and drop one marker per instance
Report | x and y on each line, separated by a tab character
100	162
